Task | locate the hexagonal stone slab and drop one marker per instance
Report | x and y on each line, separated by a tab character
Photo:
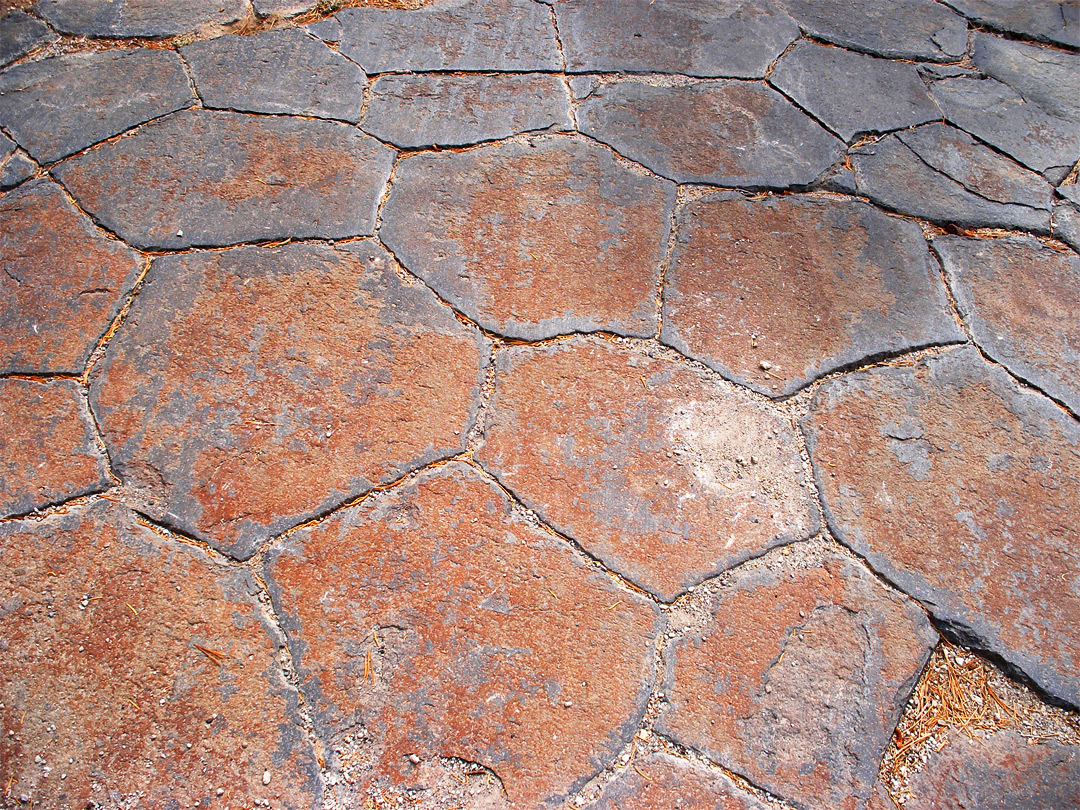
798	679
905	29
500	35
454	110
104	680
534	239
1046	76
665	476
19	34
724	133
961	487
661	780
137	18
734	39
1022	302
941	174
252	388
453	627
286	71
851	92
63	282
1046	20
48	452
55	107
220	178
776	293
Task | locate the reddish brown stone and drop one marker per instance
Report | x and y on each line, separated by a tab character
1022	302
775	293
663	781
961	487
665	476
534	239
249	389
106	699
799	679
62	282
435	621
48	452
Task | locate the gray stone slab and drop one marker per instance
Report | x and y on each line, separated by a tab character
284	71
731	39
282	8
728	133
19	34
1045	20
1066	224
996	114
1070	192
499	35
137	18
453	110
900	29
205	177
1046	76
15	167
55	107
852	92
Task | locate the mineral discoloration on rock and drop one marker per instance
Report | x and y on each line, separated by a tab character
252	388
719	132
775	293
665	476
137	18
661	780
960	487
62	282
452	627
799	680
204	178
106	694
534	239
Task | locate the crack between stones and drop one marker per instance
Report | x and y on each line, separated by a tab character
558	35
190	76
59	506
668	257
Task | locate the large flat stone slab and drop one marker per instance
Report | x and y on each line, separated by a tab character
285	71
661	780
1021	300
250	389
667	477
137	18
56	107
452	627
204	178
107	700
411	110
720	132
63	282
48	452
1046	76
852	92
797	679
498	35
961	487
735	39
1045	20
776	293
19	34
534	239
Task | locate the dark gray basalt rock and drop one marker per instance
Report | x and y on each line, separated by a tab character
137	18
1045	76
19	34
1045	20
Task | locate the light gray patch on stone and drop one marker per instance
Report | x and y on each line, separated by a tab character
1066	224
19	34
1044	20
1046	76
137	18
282	8
1070	192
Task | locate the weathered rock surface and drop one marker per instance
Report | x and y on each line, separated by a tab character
105	693
798	680
961	488
941	174
205	178
720	132
48	452
15	165
661	780
665	476
284	71
19	34
252	388
63	282
55	107
775	293
454	110
1045	20
534	239
285	8
1066	224
137	18
1021	300
499	35
1046	76
452	627
852	92
732	39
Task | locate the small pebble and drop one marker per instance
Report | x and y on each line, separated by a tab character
766	365
266	777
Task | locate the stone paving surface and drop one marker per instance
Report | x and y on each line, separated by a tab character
512	404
